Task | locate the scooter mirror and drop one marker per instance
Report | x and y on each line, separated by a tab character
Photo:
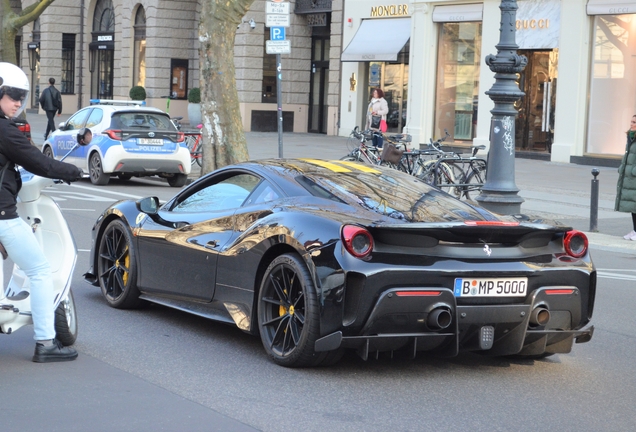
84	136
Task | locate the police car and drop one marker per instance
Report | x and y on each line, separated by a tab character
129	140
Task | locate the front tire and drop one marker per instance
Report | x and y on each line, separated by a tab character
288	318
117	267
48	152
96	171
66	321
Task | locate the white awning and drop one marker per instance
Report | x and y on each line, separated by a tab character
458	13
378	40
610	7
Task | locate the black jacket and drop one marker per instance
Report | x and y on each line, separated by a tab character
51	100
15	149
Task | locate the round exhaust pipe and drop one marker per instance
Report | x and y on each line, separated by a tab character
439	318
539	316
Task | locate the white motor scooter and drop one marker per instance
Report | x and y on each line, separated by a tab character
54	236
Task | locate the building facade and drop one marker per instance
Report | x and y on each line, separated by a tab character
578	84
427	56
100	49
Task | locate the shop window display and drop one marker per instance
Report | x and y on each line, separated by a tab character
613	83
458	59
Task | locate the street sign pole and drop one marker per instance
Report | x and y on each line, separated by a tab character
277	18
279	101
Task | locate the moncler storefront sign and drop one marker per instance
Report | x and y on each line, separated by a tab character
393	10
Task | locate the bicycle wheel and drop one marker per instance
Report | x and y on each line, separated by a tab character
438	174
459	177
475	180
352	143
354	156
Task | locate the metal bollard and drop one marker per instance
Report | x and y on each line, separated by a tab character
594	202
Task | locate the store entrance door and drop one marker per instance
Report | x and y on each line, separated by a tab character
534	126
319	84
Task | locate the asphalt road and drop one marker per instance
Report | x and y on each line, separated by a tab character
159	369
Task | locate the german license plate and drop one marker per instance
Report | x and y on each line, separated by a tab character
491	287
150	141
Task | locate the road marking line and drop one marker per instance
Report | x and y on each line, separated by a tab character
616	276
102	190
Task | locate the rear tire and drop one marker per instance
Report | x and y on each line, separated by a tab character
66	321
178	180
96	171
288	317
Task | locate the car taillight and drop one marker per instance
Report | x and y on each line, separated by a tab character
25	128
575	243
114	134
490	223
180	137
357	241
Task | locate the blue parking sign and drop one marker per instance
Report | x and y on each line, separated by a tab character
277	33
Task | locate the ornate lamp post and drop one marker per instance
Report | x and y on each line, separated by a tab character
499	193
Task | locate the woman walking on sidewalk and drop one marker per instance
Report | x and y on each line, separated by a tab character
626	186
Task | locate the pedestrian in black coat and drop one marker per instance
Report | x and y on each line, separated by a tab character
51	102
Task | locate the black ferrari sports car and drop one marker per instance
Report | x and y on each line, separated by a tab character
321	256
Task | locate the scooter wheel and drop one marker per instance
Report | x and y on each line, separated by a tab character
66	321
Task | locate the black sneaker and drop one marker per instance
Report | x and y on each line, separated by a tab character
53	353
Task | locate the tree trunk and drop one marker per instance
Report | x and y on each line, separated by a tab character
13	19
223	138
8	33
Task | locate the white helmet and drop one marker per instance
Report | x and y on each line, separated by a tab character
14	83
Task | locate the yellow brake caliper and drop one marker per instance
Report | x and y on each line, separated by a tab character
127	264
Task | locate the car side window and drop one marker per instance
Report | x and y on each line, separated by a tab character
77	121
263	193
95	118
226	194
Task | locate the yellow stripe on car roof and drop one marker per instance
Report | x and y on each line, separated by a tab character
330	166
359	166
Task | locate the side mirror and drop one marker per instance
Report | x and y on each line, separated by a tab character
84	136
148	205
61	126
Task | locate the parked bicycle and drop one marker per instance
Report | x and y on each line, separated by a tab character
459	175
194	144
360	151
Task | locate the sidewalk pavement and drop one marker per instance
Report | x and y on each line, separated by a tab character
550	190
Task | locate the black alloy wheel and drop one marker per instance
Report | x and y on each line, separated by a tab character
96	170
116	267
288	318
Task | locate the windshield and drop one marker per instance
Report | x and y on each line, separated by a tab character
389	192
142	120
